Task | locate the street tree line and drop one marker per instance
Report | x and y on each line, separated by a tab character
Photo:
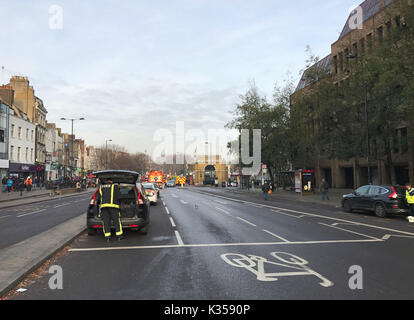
333	116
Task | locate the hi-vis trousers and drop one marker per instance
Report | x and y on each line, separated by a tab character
108	214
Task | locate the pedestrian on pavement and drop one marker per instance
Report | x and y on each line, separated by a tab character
108	197
78	186
265	189
9	184
324	188
29	183
409	195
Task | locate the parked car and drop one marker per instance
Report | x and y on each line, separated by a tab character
382	200
170	183
134	204
151	193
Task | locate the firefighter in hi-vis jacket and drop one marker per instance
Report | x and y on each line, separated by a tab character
109	204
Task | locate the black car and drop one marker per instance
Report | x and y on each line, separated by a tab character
382	200
134	204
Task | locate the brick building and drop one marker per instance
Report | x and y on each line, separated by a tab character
379	17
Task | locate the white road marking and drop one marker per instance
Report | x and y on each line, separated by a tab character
5	216
248	222
174	196
27	214
163	203
168	211
298	264
310	214
172	222
275	235
180	241
222	210
361	234
222	202
286	214
183	202
387	236
224	245
61	205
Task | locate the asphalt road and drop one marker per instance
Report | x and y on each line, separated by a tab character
205	246
24	221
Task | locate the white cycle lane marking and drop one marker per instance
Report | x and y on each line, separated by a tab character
256	265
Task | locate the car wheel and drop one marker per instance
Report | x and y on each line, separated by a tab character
380	210
347	206
91	232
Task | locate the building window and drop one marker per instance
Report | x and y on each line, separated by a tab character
380	32
11	152
18	154
32	135
336	72
31	155
341	61
362	46
27	134
398	21
347	59
369	42
388	24
20	133
12	130
355	49
27	154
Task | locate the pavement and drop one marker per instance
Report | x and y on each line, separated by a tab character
213	244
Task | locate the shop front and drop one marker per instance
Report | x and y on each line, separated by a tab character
22	170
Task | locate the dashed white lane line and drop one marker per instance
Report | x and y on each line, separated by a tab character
361	234
224	211
275	235
172	222
286	214
179	240
248	222
168	211
28	214
183	202
5	216
222	202
61	205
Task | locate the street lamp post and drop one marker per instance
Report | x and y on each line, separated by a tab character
72	155
106	153
352	56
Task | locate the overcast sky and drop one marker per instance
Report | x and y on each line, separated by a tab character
130	67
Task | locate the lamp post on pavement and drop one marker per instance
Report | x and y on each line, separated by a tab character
72	156
106	153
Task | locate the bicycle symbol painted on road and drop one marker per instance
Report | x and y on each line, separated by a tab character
256	264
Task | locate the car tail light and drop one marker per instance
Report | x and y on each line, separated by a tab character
393	195
139	201
94	197
97	226
133	226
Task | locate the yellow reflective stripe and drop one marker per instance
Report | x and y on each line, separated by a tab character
120	225
108	205
107	234
112	194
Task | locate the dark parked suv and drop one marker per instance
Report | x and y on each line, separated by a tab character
134	204
382	200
